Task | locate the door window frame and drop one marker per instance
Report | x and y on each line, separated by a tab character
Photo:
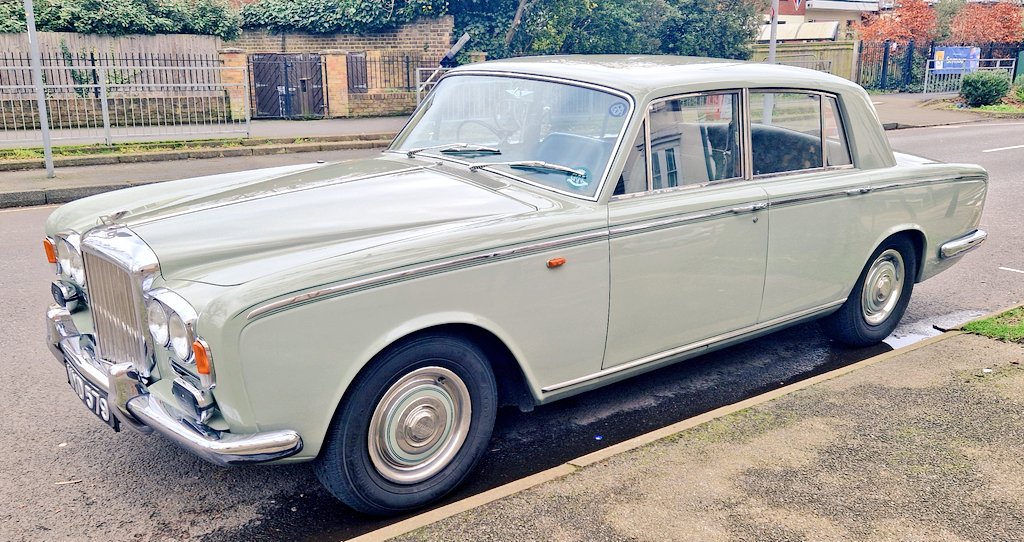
745	139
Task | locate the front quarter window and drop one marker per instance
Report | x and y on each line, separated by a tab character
522	126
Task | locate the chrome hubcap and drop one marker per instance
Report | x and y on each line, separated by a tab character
882	287
419	425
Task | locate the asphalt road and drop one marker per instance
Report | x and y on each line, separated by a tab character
67	476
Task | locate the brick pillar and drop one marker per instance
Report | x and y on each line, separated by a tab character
235	79
336	82
374	72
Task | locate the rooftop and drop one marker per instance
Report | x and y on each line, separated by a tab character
648	74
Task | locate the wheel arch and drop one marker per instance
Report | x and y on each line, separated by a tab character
512	383
917	239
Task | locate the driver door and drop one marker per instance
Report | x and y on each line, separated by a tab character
689	240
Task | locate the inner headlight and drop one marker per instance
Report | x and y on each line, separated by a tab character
156	314
70	261
180	337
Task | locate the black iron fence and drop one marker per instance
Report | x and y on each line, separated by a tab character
901	66
390	73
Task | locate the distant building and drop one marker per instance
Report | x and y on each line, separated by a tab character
819	20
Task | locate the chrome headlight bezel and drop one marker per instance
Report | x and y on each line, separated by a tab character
69	257
178	327
156	320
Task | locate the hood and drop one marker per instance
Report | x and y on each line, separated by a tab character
234	232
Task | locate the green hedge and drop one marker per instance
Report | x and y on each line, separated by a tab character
120	17
984	87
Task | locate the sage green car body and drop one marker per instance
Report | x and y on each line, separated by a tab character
301	275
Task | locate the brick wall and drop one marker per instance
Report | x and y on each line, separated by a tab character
430	36
381	104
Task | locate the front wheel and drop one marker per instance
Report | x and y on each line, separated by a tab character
413	426
879	299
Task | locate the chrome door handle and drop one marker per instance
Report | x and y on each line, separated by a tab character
750	208
857	191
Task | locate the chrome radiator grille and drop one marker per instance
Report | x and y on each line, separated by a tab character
114	299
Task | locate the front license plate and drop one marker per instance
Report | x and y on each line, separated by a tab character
92	397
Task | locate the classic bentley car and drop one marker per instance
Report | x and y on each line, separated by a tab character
540	227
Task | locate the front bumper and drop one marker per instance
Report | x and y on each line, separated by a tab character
137	408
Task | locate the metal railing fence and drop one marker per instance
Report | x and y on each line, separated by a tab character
387	73
426	78
102	103
904	66
937	79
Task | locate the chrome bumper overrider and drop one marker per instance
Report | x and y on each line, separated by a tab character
961	245
142	411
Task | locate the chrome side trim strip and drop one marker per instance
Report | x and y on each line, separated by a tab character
429	269
467	261
629	229
961	245
692	346
865	190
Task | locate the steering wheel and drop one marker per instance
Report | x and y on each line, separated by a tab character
509	114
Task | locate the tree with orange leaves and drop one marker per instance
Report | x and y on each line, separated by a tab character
911	20
1001	22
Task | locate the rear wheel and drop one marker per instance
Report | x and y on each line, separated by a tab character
879	299
414	425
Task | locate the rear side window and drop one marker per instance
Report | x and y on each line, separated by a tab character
785	131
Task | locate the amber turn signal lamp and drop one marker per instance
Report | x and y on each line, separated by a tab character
51	250
202	357
556	262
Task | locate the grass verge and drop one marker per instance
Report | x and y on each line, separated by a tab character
1002	108
1008	326
133	148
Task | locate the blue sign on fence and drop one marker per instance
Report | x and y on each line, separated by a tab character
956	59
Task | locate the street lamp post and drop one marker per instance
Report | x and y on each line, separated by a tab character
37	82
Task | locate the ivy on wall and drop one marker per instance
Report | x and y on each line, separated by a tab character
120	17
329	16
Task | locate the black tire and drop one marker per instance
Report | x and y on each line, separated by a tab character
857	322
409	377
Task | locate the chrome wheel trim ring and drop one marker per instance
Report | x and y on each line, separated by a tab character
882	287
419	425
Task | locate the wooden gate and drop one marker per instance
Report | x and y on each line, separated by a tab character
287	86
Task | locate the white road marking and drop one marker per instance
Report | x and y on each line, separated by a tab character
1004	148
1011	269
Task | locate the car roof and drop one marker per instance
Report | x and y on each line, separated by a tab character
642	75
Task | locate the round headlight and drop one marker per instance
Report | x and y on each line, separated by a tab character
181	339
156	314
70	261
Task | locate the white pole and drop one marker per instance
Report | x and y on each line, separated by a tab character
775	27
37	81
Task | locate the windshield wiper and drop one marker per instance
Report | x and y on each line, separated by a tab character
533	164
455	148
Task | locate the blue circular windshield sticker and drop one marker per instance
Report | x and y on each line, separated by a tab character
617	109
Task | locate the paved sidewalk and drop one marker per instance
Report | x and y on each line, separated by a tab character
327	127
919	110
922	445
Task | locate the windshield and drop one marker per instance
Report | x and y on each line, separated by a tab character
564	134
